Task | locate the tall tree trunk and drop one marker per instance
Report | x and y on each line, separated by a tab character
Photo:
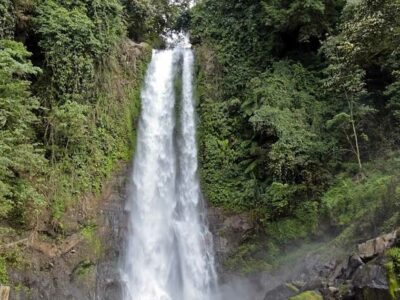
353	125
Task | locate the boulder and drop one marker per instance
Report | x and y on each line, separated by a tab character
353	264
377	246
370	282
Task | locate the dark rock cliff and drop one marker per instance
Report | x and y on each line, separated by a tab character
83	264
363	275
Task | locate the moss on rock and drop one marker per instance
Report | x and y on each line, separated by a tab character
393	272
308	295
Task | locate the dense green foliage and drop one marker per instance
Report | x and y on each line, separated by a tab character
394	256
69	98
21	160
148	20
298	102
3	271
393	272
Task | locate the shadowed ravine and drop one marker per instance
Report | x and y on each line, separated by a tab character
169	250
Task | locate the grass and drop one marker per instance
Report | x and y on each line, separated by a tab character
92	239
3	271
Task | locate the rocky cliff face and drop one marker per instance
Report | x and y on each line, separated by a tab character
363	275
83	263
229	231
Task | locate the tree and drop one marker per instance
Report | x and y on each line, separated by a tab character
346	87
6	19
21	158
361	76
148	19
274	100
307	19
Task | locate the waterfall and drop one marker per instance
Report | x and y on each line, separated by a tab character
169	248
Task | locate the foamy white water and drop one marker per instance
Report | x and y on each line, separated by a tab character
169	249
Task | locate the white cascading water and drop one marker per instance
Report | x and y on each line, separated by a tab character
169	248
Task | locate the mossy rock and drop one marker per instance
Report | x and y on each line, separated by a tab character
393	280
308	295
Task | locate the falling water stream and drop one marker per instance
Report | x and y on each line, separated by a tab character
169	249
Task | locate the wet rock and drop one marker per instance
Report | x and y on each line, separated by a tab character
228	230
370	282
355	262
371	275
345	269
338	272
